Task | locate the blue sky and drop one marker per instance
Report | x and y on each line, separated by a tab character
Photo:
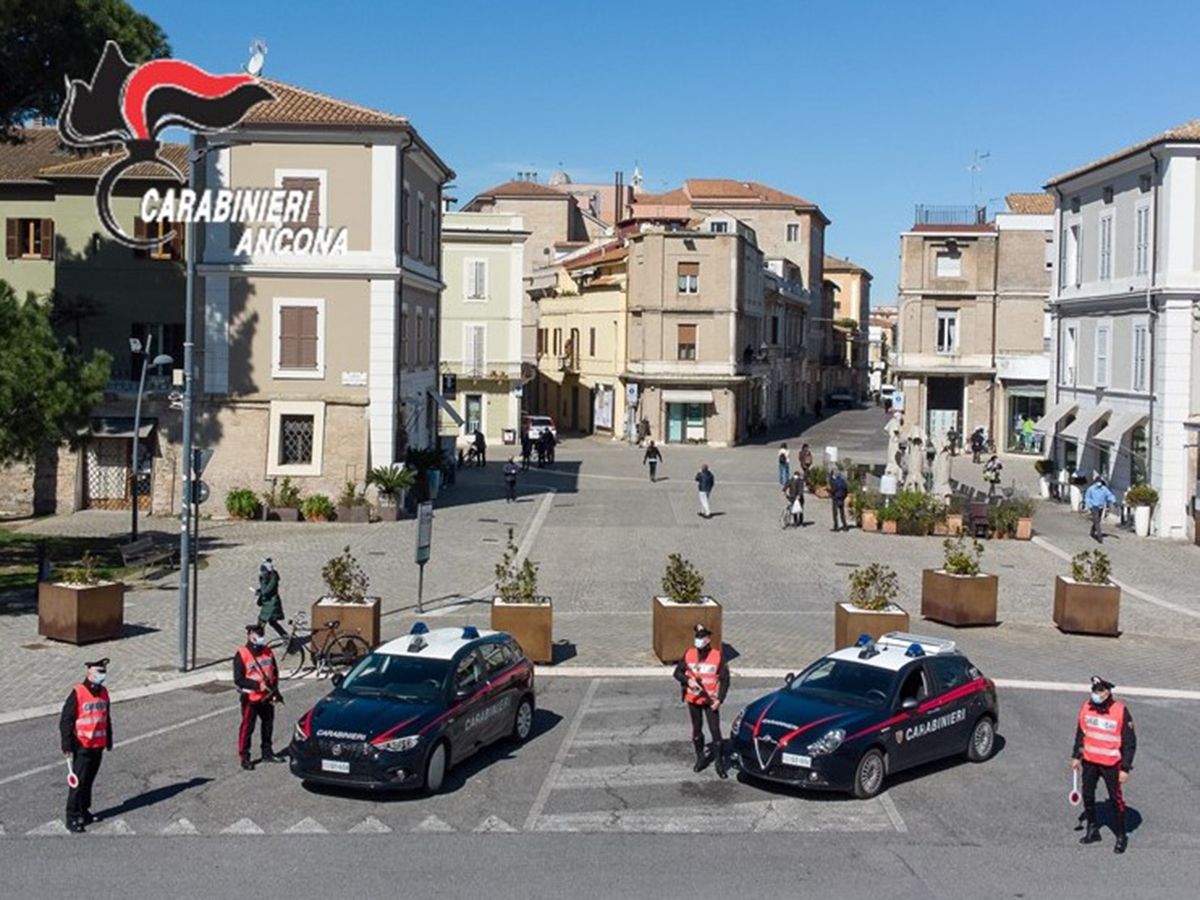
863	108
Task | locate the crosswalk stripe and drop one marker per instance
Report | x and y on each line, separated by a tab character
180	827
492	824
662	733
629	776
370	825
307	825
761	816
242	826
433	823
53	827
115	827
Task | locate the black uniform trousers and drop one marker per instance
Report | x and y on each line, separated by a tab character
85	763
700	715
1092	773
252	713
839	513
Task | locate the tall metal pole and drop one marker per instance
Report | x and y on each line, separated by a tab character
185	529
137	427
195	584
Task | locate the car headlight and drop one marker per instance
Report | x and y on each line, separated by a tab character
828	743
299	735
399	745
737	722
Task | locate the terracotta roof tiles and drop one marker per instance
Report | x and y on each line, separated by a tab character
837	264
1188	131
523	189
299	106
1039	204
748	191
22	157
94	166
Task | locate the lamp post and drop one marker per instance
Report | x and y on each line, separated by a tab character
161	360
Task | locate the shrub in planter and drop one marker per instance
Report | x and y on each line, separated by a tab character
346	600
872	608
282	502
391	482
864	507
82	606
1143	499
682	605
1012	518
889	518
1088	602
519	610
241	503
817	481
958	593
317	508
352	505
916	512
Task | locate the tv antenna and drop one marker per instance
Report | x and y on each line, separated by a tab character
976	167
258	57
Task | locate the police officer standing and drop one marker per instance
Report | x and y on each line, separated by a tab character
257	679
1104	747
86	730
704	677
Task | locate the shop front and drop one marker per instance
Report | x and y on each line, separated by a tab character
1025	406
687	415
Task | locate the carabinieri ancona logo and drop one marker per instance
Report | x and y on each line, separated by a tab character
132	104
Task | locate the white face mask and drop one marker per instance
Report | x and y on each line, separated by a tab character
700	643
258	640
98	677
1097	698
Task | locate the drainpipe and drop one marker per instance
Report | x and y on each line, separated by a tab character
399	318
995	301
1056	303
1152	311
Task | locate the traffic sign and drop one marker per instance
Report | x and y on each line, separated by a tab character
424	531
449	385
199	491
631	394
200	460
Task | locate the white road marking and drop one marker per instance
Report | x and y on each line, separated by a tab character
1082	687
560	757
444	610
370	825
307	825
434	824
630	775
242	826
180	828
493	824
53	827
786	815
632	735
118	696
116	827
893	814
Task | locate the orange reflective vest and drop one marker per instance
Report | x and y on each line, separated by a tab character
260	670
705	673
91	718
1102	733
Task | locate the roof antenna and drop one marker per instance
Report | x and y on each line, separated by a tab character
976	167
258	57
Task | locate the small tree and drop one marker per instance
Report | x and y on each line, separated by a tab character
516	583
1091	567
345	579
962	555
682	582
874	587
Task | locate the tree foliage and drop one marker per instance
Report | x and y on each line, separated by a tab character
47	387
45	42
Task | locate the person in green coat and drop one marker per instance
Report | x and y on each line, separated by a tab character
270	607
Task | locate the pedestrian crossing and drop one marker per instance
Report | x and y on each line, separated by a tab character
247	827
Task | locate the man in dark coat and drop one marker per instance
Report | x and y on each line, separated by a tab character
270	606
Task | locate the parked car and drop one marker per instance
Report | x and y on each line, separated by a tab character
535	425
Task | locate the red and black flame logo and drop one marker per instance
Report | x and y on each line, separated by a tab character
133	104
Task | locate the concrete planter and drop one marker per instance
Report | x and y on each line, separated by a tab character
954	524
889	526
81	614
849	622
1087	608
360	513
282	513
1076	494
530	624
1044	487
360	618
673	625
941	529
1141	520
389	513
870	520
959	600
1024	530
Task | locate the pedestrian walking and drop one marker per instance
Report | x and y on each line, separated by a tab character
510	479
652	457
551	443
480	445
526	448
257	678
1097	499
991	474
1027	430
805	459
85	729
838	491
270	606
705	482
785	465
1105	744
703	677
978	442
794	492
539	446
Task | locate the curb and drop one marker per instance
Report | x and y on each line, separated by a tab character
150	690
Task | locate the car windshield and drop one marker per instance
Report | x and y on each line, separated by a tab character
408	679
842	681
544	423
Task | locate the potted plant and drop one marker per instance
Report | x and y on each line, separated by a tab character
1088	602
1045	469
317	508
915	511
872	608
282	502
241	503
83	606
958	593
392	482
518	609
1142	498
346	600
681	606
941	515
889	518
864	506
1022	513
352	505
954	515
816	479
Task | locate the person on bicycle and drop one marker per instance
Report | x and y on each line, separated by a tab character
991	473
270	606
257	679
480	446
794	492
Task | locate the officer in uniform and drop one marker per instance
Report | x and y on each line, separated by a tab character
704	678
86	730
257	679
1104	747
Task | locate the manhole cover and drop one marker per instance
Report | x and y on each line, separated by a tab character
376	553
847	565
166	668
490	540
492	521
213	687
35	646
563	505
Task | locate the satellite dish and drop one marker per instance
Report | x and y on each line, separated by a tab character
258	56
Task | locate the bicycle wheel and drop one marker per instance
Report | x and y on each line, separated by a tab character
785	519
343	652
292	661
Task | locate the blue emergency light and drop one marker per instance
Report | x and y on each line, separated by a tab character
470	633
419	628
864	640
914	650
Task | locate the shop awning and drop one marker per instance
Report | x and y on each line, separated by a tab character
446	407
687	396
1120	425
119	427
1047	423
1084	422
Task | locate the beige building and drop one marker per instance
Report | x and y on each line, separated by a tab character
972	324
851	312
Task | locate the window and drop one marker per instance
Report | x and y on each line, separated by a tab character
947	331
1139	455
1106	233
688	277
299	333
166	249
496	658
718	227
1103	350
475	349
915	686
311	185
592	342
1102	460
420	227
1077	255
420	339
558	342
1068	360
295	440
432	338
687	342
434	233
406	215
468	673
1141	261
477	279
541	341
1140	339
949	264
404	339
1062	260
164	338
793	233
774	330
949	672
29	238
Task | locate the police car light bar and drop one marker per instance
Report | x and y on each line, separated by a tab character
470	633
914	650
864	640
419	628
901	640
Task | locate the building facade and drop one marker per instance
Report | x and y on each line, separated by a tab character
851	304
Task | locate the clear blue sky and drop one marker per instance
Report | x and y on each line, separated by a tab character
864	108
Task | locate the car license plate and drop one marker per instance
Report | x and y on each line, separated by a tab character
795	759
335	765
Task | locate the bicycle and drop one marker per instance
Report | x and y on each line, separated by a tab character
337	652
785	518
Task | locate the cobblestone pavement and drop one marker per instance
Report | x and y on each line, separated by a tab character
602	548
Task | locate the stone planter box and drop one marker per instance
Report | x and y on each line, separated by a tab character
360	513
1141	520
81	614
1024	530
360	618
673	625
889	526
870	520
849	622
282	514
1087	608
959	600
954	524
941	529
389	513
822	492
530	624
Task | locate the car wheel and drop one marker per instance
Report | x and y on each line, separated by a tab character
983	740
435	768
868	776
523	720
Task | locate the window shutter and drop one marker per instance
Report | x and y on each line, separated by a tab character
312	187
289	344
12	238
177	240
689	268
47	226
687	334
307	337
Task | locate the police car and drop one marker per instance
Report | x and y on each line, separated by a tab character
863	712
415	707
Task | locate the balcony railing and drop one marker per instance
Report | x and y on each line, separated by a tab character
950	215
568	362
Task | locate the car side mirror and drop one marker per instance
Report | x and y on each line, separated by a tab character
789	678
909	704
337	679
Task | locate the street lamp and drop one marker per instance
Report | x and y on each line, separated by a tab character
161	360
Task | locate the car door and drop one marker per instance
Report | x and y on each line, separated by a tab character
467	700
952	676
911	734
497	661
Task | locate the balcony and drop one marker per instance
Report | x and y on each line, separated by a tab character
568	362
949	215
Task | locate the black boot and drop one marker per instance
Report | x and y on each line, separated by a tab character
272	757
702	758
722	761
1121	844
1092	835
246	764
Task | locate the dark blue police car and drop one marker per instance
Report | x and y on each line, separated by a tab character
414	707
860	713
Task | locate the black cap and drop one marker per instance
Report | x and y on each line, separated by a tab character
98	664
700	631
257	628
1099	684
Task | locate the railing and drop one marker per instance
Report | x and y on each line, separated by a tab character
568	362
949	215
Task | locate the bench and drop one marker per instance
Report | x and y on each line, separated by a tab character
145	552
975	519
